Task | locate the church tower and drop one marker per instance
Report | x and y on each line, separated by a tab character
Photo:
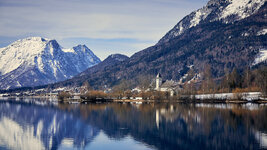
158	82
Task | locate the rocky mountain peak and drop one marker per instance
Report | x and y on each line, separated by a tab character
41	61
225	11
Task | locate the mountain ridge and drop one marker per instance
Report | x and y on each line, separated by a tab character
227	11
224	46
36	61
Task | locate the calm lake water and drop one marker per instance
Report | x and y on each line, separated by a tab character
115	126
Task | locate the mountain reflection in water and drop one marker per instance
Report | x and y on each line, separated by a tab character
132	126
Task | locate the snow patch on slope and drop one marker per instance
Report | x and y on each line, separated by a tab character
200	14
241	8
262	32
18	84
71	50
261	57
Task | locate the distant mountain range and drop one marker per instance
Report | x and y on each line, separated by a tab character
37	61
224	34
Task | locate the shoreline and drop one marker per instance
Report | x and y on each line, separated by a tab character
185	99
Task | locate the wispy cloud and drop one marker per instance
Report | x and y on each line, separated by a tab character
145	21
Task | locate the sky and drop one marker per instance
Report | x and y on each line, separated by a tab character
105	26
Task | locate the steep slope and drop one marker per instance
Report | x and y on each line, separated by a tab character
226	11
111	61
216	43
36	61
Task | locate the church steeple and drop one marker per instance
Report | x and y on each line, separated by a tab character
158	82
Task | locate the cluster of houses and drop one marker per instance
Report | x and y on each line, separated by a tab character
158	84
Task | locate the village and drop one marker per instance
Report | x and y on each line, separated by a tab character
159	90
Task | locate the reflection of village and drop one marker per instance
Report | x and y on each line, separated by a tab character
170	114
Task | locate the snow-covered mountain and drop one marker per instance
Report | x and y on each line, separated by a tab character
36	61
226	11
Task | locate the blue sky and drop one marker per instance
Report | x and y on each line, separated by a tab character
105	26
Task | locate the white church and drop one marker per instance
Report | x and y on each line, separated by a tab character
167	86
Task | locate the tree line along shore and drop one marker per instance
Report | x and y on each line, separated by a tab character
247	85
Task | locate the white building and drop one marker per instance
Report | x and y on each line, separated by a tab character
158	82
167	86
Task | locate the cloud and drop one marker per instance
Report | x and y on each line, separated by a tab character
142	20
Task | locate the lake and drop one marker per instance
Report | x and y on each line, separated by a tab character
31	124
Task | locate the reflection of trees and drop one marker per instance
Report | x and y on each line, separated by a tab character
255	118
178	125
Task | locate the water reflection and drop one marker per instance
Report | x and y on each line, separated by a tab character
132	126
28	126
